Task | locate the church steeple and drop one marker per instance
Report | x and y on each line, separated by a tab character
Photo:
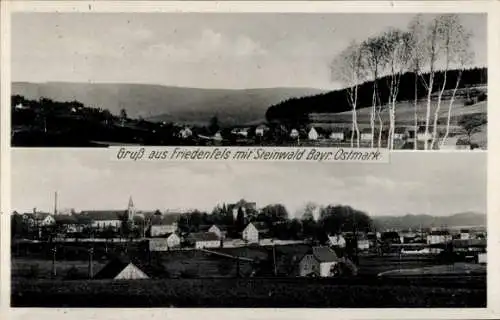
130	209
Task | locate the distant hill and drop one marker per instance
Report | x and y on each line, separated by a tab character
164	103
427	221
335	102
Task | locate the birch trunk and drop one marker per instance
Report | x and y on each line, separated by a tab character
428	111
415	123
450	106
436	112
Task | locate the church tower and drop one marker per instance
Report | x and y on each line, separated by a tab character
130	209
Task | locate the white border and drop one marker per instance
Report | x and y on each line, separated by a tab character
491	7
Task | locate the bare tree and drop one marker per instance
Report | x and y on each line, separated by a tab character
418	59
397	50
457	54
349	68
374	55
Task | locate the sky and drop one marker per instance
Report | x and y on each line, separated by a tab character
413	183
216	50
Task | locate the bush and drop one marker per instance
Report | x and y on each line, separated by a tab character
482	97
469	102
33	272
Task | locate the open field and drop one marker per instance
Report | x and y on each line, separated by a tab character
255	293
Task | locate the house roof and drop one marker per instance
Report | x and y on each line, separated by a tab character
105	214
115	266
203	236
439	233
324	254
65	219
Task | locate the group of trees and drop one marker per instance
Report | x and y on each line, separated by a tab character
314	222
424	50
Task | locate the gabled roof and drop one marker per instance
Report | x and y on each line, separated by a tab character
113	268
323	254
203	236
65	219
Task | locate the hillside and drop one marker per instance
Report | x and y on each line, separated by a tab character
465	219
472	84
163	103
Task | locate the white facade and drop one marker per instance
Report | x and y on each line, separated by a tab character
164	244
337	136
48	221
366	136
363	244
200	244
481	258
250	234
102	224
294	134
131	272
310	265
159	230
313	134
259	131
337	241
421	136
217	231
465	236
434	239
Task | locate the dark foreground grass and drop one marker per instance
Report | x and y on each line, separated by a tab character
256	293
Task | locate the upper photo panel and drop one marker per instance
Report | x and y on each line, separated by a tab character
372	80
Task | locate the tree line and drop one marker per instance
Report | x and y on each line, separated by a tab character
421	62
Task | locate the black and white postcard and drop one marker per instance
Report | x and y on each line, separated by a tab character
254	160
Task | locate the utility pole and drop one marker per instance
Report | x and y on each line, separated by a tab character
274	261
54	251
91	263
55	203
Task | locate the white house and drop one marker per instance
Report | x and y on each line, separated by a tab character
465	234
250	234
185	133
294	134
44	219
319	262
363	244
202	240
438	236
366	134
105	219
121	270
421	136
337	241
337	134
217	136
481	257
162	225
164	244
260	130
400	133
313	134
218	231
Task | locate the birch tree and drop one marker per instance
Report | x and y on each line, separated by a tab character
454	42
397	50
349	68
418	58
374	54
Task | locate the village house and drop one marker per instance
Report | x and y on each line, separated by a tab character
337	240
185	133
163	225
312	134
363	243
250	234
421	136
294	134
217	136
366	135
68	223
242	132
438	236
260	130
121	269
319	261
337	134
169	241
220	231
202	240
400	133
39	219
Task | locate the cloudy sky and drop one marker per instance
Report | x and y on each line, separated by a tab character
434	183
217	50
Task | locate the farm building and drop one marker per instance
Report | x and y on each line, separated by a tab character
260	130
202	240
294	134
319	261
465	234
185	133
438	236
337	241
162	225
250	234
121	269
366	134
313	134
400	133
164	244
337	134
220	231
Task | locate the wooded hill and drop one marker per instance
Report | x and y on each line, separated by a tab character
296	109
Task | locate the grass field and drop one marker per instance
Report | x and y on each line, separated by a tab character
247	293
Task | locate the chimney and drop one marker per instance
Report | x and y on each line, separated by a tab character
55	203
